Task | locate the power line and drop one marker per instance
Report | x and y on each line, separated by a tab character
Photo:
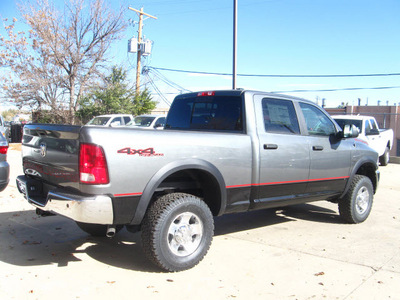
152	83
343	89
166	80
279	75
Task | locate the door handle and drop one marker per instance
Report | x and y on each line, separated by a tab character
270	146
318	148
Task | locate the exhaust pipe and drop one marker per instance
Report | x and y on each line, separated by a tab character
110	231
43	213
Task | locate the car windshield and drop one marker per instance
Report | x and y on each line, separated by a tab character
98	121
141	121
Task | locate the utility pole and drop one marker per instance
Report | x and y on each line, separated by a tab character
139	52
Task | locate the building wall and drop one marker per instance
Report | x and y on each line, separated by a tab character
160	111
386	116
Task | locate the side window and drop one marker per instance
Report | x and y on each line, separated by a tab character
117	121
371	128
126	119
160	122
317	122
280	116
373	124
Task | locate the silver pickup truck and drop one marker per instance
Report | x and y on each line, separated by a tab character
221	152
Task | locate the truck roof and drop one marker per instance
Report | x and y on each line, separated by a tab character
239	92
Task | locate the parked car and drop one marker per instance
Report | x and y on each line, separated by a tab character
113	120
4	166
7	125
381	140
148	122
3	128
220	152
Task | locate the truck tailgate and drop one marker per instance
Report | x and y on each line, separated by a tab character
51	153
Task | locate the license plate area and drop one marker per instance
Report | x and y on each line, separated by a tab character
32	190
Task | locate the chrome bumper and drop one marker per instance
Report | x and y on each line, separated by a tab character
85	209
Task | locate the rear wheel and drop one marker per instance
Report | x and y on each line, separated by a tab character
177	231
356	205
384	159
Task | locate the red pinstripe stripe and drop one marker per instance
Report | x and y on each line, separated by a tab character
127	194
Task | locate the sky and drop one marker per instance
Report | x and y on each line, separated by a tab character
274	37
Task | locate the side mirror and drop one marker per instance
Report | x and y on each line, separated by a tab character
350	131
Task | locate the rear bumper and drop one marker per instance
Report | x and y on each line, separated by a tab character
86	209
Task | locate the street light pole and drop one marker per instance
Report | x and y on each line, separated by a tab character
234	43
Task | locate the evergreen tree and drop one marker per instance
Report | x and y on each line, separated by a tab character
115	96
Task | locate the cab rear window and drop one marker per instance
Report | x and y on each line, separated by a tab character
213	113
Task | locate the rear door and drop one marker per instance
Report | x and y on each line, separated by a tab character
330	157
284	153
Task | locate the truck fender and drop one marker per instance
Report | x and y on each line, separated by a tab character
172	168
367	160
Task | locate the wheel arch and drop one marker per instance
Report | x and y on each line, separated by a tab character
201	173
366	167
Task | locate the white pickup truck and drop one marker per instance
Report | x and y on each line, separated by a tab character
381	140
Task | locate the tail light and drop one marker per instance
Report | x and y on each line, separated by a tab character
92	165
3	149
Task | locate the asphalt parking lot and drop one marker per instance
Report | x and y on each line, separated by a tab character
300	252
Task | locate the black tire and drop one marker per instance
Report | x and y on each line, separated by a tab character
177	231
356	205
97	230
384	159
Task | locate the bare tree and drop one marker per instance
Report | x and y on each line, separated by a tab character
53	65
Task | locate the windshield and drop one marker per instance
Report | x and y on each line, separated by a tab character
98	121
141	121
343	122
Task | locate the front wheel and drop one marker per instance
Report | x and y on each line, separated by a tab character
356	205
177	231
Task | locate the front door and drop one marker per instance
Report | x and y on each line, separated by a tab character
330	157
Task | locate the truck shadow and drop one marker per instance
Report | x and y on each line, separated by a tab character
232	223
30	240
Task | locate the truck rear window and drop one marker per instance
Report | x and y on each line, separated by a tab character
213	113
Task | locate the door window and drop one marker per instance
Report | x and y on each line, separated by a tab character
317	122
280	116
160	122
117	121
126	119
